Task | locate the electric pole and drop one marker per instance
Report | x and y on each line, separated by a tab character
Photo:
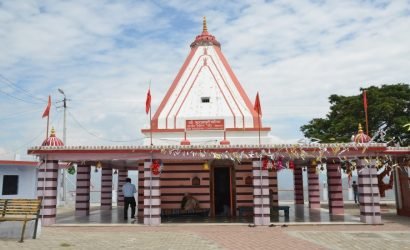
63	180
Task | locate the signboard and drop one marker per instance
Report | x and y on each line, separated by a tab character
205	124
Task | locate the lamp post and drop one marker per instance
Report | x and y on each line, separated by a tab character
64	183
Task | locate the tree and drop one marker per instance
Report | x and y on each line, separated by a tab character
388	108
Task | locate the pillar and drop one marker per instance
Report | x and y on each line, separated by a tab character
313	186
298	184
122	176
82	196
273	187
261	209
106	188
152	196
369	195
47	190
140	206
335	189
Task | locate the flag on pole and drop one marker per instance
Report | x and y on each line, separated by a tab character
47	110
148	101
257	106
365	99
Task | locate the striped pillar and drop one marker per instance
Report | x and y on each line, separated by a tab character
313	186
140	206
152	196
273	187
261	209
298	184
82	196
369	196
335	189
106	188
122	176
47	190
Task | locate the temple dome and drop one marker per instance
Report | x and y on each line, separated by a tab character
205	38
361	137
52	140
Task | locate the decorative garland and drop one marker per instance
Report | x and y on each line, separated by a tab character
156	167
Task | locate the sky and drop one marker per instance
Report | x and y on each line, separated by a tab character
103	54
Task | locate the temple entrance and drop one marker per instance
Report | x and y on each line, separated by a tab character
222	189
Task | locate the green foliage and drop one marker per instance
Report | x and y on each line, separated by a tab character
388	105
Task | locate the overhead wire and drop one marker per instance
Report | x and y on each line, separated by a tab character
97	136
17	98
14	85
31	140
14	114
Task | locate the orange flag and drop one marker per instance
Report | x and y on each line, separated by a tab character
257	106
47	110
148	102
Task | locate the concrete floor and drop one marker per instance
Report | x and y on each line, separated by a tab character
298	214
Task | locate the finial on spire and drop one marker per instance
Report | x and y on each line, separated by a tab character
360	128
53	132
204	27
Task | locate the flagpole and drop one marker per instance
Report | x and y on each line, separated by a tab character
48	122
150	119
259	121
365	111
150	125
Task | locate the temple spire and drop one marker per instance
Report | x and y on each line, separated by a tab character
204	27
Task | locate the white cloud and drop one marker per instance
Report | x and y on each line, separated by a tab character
103	54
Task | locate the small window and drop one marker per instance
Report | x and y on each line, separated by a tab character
205	99
10	184
196	181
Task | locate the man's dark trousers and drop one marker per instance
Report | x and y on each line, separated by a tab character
127	202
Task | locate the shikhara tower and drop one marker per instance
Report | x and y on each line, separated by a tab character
206	104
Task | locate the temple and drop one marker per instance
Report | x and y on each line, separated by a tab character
206	139
206	103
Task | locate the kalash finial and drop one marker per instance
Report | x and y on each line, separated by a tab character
360	128
204	27
53	132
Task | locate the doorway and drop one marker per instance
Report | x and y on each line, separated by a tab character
222	192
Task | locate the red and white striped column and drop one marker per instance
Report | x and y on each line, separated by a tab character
273	186
141	179
106	188
261	209
152	196
47	190
335	189
369	198
298	184
313	186
82	196
122	176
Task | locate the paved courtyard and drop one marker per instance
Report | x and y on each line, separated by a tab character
394	234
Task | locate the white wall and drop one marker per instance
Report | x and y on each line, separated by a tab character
27	183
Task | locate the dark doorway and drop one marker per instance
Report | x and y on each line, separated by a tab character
222	192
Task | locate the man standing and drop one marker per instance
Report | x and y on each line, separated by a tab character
129	190
355	191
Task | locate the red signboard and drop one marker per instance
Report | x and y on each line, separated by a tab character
205	124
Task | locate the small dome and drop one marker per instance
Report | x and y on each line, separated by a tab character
52	140
205	38
361	137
